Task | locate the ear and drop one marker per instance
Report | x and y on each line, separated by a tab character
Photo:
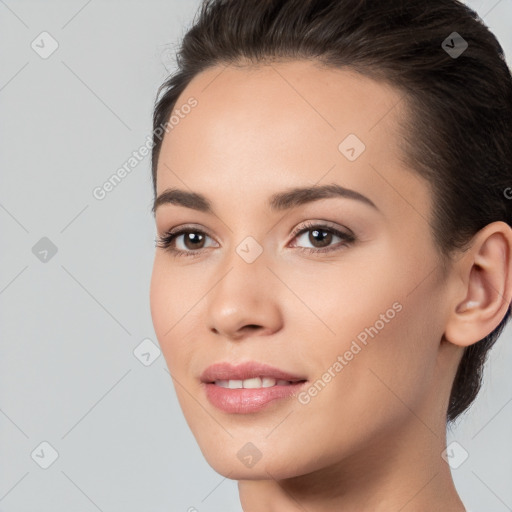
483	293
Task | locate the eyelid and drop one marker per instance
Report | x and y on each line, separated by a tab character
310	224
168	238
196	228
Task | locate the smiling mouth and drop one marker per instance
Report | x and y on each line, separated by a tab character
249	387
254	383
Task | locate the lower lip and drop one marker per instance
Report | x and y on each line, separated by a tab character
244	401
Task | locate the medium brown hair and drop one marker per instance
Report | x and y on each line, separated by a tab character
458	130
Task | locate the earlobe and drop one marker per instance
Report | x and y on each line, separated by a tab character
486	286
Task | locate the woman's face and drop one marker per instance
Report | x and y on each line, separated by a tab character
360	316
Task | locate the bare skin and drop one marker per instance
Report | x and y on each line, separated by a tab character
371	439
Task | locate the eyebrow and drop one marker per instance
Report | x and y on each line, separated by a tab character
278	202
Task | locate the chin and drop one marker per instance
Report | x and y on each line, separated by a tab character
240	459
261	470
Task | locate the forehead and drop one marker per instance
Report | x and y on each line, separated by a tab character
307	80
267	127
288	98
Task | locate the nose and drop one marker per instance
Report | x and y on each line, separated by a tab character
245	301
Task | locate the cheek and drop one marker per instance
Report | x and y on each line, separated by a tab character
383	342
159	298
165	306
374	393
172	300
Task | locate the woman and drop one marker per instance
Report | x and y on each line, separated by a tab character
332	201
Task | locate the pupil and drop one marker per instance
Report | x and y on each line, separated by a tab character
193	238
325	241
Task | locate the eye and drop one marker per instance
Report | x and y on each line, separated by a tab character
189	241
186	241
321	237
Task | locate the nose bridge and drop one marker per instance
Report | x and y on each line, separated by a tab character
244	293
245	271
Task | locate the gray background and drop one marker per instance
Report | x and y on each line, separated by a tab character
70	324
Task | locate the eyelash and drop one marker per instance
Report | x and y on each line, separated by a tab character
168	238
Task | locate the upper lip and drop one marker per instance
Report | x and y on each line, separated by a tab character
247	370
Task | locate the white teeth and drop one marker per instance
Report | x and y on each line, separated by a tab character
254	383
268	382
